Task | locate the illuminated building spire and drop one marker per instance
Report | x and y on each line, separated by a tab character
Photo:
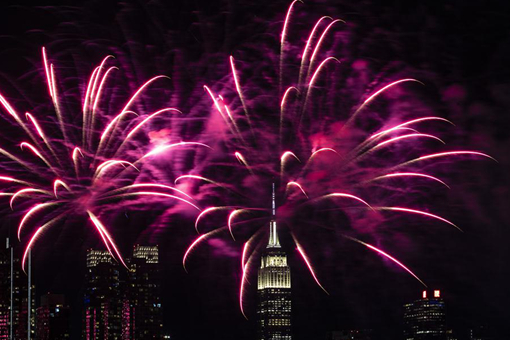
274	204
274	242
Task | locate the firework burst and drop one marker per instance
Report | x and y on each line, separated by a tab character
322	157
63	170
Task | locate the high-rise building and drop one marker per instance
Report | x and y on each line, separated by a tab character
102	303
425	319
142	316
5	296
351	334
481	332
53	318
274	289
23	308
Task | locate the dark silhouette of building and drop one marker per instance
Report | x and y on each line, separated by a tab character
425	319
274	289
481	332
351	334
102	303
142	316
10	263
53	318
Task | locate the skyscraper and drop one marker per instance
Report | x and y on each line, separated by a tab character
53	318
17	290
142	316
425	319
274	294
102	303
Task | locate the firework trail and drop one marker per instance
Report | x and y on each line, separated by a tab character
61	170
357	160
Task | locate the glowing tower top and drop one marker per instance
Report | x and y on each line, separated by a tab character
274	288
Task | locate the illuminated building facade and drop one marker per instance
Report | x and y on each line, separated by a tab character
142	316
425	319
53	318
102	303
274	290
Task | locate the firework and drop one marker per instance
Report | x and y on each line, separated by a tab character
65	170
320	158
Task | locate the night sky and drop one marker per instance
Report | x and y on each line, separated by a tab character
458	48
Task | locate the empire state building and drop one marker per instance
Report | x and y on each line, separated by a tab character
274	296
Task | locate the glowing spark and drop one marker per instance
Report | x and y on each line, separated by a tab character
412	135
284	98
113	122
27	250
215	101
108	164
299	186
231	217
36	152
451	153
312	33
341	194
287	17
8	107
310	268
378	92
23	192
31	212
58	183
419	212
47	71
241	293
76	151
322	150
234	74
163	148
93	93
100	90
418	120
7	179
205	212
196	177
37	127
102	230
389	257
197	241
287	154
405	174
312	81
319	43
88	94
243	257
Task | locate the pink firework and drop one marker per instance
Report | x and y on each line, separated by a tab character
62	170
360	161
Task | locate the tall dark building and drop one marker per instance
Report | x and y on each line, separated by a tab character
274	290
142	316
53	318
20	300
425	319
102	303
351	334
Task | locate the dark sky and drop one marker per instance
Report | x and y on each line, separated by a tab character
460	48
